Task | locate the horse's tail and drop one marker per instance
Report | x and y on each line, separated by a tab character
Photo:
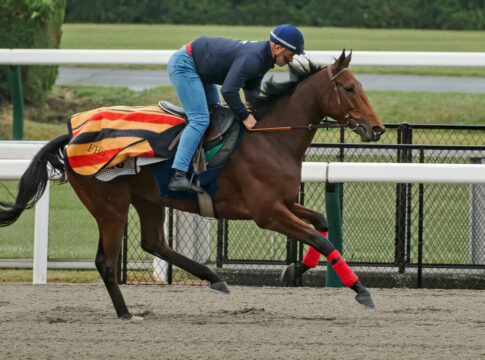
34	180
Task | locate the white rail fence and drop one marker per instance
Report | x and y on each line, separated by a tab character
12	169
15	157
160	57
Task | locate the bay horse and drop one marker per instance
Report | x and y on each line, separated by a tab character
260	181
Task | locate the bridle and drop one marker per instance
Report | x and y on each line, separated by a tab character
324	122
332	82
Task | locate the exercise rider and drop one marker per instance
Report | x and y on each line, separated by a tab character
199	66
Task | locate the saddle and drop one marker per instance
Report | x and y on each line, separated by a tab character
221	120
219	141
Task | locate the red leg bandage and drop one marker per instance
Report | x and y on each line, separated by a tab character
343	271
312	256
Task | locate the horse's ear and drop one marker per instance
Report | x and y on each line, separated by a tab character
341	60
347	59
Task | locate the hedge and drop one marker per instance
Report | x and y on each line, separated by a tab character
422	14
31	24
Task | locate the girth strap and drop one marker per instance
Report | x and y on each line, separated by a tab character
206	206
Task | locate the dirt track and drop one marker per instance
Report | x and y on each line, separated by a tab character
180	322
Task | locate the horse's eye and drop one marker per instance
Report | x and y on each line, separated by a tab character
349	89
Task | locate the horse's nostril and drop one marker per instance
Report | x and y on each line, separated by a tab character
378	130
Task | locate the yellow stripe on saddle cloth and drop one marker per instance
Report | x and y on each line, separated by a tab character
105	137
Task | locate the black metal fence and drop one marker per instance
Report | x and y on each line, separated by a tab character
417	235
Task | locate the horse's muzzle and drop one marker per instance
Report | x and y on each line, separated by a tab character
377	131
372	134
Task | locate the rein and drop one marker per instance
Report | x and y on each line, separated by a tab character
324	123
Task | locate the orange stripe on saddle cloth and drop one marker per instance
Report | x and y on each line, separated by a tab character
105	137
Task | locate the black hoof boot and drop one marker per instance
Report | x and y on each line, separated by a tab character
363	296
220	287
180	182
292	272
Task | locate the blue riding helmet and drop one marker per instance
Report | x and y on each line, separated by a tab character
289	37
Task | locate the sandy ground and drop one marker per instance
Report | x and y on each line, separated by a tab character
58	321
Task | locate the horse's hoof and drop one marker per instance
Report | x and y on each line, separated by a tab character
363	296
129	317
288	275
126	316
220	286
365	300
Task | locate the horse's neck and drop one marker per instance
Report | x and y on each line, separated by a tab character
298	110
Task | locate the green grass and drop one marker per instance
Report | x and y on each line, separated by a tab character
428	107
157	37
73	232
171	37
425	70
49	119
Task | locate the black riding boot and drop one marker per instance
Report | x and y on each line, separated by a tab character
180	182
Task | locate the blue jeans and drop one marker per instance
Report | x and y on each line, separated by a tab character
194	96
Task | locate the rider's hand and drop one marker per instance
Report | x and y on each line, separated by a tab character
250	122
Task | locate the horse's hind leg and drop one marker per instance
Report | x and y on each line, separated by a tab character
111	233
108	202
153	241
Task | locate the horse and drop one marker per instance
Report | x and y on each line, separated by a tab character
259	182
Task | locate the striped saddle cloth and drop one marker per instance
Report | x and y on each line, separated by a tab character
105	137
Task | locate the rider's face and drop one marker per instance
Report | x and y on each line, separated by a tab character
283	56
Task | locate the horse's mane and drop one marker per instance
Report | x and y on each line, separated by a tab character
272	90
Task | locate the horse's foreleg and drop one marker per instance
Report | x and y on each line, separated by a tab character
315	218
285	222
312	256
320	224
153	241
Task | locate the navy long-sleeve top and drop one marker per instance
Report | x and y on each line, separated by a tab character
235	65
